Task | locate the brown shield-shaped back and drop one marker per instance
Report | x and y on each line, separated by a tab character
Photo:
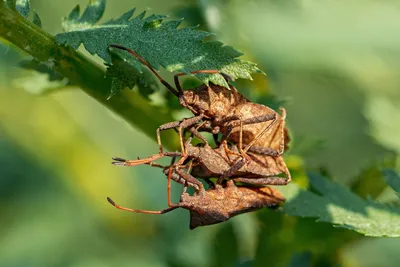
222	203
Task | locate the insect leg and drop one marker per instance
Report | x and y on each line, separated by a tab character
272	180
264	150
232	170
189	178
260	134
195	132
170	204
235	121
267	151
176	173
180	180
166	126
229	127
259	119
242	152
185	124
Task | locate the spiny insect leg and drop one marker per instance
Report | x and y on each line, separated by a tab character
189	178
267	151
169	187
166	126
195	131
185	124
259	119
232	170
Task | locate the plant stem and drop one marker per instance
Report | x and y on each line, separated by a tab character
81	71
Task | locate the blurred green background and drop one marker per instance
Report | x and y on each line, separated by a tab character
335	67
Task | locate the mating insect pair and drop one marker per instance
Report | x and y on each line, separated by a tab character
219	202
261	137
222	200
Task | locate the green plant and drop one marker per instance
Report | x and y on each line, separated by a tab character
178	49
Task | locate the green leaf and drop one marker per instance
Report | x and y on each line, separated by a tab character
36	19
370	182
23	7
92	14
225	246
393	179
158	42
337	205
123	75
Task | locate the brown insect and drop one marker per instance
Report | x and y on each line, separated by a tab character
223	162
223	111
218	204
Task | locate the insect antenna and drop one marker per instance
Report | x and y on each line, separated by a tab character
142	211
164	82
